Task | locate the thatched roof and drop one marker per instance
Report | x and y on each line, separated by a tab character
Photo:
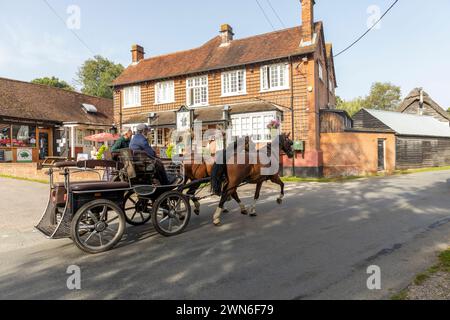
413	99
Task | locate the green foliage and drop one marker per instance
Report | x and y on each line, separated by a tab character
96	76
53	82
169	151
382	96
101	151
352	106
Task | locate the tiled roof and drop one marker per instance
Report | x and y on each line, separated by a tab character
213	114
25	100
211	56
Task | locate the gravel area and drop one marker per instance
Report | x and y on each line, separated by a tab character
436	287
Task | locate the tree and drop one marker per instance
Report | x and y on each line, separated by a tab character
382	96
53	82
96	76
352	106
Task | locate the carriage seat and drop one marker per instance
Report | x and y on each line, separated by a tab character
99	186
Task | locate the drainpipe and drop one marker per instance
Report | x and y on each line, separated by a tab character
291	70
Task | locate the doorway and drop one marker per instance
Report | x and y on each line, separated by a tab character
45	143
381	154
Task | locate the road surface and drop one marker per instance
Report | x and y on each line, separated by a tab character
317	245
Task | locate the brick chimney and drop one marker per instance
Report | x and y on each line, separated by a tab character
226	33
307	22
137	53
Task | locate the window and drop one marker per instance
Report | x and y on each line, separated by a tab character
233	83
275	77
165	92
80	138
24	136
197	91
5	135
132	97
253	125
330	86
320	71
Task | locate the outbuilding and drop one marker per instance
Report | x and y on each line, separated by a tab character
421	140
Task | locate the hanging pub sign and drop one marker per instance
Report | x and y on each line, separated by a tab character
185	118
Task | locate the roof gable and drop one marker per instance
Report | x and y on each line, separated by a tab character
413	99
212	56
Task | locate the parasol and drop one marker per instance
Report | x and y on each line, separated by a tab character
103	137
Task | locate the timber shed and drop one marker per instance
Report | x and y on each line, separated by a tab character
421	141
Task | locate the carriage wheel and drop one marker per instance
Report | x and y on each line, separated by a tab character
171	213
137	211
98	226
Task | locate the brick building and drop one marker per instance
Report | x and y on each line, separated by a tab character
287	75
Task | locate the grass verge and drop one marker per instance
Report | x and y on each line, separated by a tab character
352	178
443	265
23	179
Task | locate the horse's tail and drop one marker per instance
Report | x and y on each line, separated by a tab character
217	178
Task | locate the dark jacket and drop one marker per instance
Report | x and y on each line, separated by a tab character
140	143
122	143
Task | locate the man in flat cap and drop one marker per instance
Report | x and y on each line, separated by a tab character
140	143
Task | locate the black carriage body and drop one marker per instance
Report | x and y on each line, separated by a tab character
79	199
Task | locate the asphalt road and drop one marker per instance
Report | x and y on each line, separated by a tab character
317	245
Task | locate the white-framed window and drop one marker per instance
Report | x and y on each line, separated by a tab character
330	86
197	91
320	70
132	97
165	92
234	83
253	125
275	77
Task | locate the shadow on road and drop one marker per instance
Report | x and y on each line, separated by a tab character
317	236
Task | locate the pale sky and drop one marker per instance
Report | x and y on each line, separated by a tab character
410	48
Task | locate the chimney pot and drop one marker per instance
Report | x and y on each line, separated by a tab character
137	53
226	33
307	21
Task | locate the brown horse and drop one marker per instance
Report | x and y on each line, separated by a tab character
193	172
237	174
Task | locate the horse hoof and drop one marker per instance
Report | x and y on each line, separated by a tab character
244	212
197	212
279	201
226	211
217	223
253	215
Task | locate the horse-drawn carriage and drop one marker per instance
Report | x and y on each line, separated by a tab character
94	214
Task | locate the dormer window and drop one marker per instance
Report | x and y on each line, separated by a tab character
197	91
275	77
132	97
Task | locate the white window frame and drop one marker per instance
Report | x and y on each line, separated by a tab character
162	97
227	83
330	86
321	75
268	83
243	125
132	97
191	87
